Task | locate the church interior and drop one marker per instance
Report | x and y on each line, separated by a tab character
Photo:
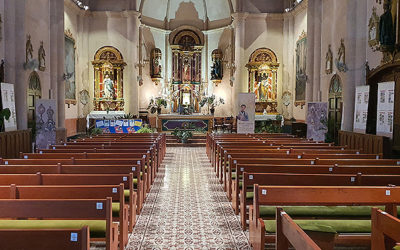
199	124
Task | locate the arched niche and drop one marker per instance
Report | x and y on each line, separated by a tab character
108	67
335	108
34	93
263	77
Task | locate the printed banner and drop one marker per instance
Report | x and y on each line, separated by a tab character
317	121
8	101
361	109
45	123
119	126
246	115
384	119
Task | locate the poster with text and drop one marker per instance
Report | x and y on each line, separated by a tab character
246	114
119	126
361	109
317	121
8	101
384	119
45	123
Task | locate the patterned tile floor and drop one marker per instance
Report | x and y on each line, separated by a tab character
187	208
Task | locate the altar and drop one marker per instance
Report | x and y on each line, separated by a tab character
110	115
168	122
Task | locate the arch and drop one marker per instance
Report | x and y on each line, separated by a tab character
263	55
187	37
108	53
34	93
335	85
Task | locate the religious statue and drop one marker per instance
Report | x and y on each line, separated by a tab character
108	87
329	60
186	70
42	57
341	57
387	32
28	49
155	65
216	68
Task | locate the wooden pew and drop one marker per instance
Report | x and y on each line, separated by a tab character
288	232
319	196
39	239
116	192
63	211
79	169
383	225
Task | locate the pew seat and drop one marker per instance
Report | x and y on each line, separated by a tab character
97	227
327	226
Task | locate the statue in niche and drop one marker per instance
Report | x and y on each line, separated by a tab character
386	29
329	60
156	64
341	57
186	70
216	68
108	87
373	30
28	49
42	57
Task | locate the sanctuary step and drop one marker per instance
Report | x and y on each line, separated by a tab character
195	141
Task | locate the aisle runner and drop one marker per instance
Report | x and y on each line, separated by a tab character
186	208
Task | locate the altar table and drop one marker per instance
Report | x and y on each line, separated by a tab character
168	122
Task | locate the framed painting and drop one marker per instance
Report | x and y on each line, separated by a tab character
301	75
69	64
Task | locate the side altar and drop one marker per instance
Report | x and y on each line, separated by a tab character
168	122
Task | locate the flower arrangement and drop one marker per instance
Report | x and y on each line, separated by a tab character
156	104
212	102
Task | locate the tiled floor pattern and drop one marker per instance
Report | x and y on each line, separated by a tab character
186	208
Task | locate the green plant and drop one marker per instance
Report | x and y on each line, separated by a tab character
211	101
156	103
145	130
183	135
127	116
96	131
4	114
268	127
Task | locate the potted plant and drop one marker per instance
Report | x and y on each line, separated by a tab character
156	104
183	135
4	114
212	102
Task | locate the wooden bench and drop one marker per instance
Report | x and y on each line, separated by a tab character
320	196
288	232
61	214
39	239
384	225
116	192
80	169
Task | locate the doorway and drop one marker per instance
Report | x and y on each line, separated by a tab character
335	108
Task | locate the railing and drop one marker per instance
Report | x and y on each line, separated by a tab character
368	144
11	143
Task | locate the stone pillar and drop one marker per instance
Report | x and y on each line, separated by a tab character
131	84
317	51
14	46
310	50
57	83
239	23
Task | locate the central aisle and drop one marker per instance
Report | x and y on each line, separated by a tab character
186	208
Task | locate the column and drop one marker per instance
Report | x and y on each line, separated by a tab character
310	50
57	83
14	46
131	85
317	51
239	22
